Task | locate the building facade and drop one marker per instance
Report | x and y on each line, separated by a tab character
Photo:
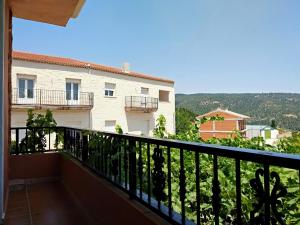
224	128
89	96
269	134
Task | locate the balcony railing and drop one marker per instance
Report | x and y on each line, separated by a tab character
184	182
141	104
51	98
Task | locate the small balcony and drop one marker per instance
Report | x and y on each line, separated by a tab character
126	179
52	99
141	104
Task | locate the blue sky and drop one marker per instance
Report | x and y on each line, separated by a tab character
204	45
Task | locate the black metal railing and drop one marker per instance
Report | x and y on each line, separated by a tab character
184	182
41	97
140	103
36	139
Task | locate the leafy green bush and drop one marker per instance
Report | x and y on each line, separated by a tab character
160	128
289	206
35	139
119	129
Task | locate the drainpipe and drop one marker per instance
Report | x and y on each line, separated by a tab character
88	66
2	35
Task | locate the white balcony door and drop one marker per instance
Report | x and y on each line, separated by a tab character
143	102
26	93
145	94
72	93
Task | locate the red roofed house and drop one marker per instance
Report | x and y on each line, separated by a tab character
224	128
88	95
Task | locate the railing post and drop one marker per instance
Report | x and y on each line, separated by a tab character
132	168
65	138
17	141
40	97
85	146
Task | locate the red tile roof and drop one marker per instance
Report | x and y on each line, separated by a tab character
80	64
240	116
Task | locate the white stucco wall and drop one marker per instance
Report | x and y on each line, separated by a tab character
251	133
274	136
54	77
69	118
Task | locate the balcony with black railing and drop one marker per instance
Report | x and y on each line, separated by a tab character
141	104
183	182
41	98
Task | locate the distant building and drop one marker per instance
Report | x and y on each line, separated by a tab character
269	134
223	129
89	96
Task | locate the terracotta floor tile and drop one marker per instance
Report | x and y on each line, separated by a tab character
50	204
46	217
21	220
19	195
18	211
17	204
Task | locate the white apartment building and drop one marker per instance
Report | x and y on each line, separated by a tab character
89	96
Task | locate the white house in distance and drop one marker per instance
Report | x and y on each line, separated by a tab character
269	134
88	95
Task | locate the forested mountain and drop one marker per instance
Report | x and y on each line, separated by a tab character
262	108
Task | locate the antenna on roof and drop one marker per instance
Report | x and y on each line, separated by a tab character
126	67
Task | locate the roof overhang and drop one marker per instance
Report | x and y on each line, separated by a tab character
57	12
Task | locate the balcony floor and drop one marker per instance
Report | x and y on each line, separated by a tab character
46	203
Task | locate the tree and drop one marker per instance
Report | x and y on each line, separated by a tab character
183	118
273	123
119	129
290	144
227	175
160	128
39	125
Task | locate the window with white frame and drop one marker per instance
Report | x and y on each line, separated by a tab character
144	91
72	90
25	88
109	90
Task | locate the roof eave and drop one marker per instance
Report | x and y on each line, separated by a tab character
78	8
80	64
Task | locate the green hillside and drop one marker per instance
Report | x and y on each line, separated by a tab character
262	108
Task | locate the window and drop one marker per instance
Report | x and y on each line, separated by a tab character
144	91
109	89
109	93
110	125
72	90
267	134
241	125
164	96
26	87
